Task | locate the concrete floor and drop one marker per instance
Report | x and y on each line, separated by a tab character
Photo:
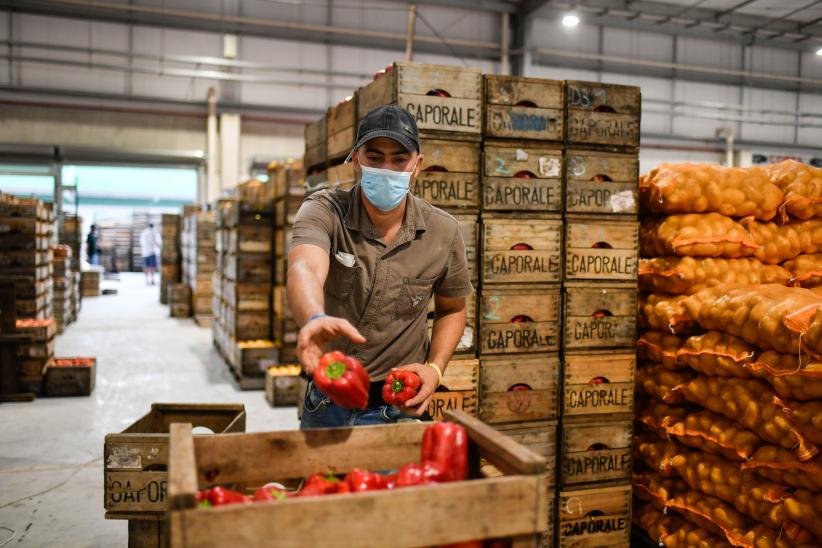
51	474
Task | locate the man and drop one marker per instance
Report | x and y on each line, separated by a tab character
150	249
92	247
362	267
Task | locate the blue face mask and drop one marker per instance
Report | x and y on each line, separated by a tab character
385	188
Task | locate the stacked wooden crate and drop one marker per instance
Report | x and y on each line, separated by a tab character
521	257
114	241
71	235
242	289
170	256
90	282
27	230
600	294
63	286
199	261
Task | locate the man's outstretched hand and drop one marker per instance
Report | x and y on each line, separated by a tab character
316	334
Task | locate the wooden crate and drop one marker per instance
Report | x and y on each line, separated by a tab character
247	325
341	176
136	460
522	177
341	128
523	108
36	349
285	210
459	390
511	506
252	359
250	238
601	250
65	377
598	383
602	114
248	267
601	183
316	181
41	330
519	388
527	249
538	436
515	320
450	175
246	297
599	316
147	533
595	452
468	343
282	240
283	387
593	518
440	98
316	149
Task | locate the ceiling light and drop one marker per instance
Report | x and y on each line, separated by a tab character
819	52
570	20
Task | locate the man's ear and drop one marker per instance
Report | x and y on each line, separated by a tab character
420	162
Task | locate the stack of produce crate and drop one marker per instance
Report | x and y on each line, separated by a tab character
243	290
63	286
519	307
114	241
199	261
71	235
601	251
729	430
90	282
170	256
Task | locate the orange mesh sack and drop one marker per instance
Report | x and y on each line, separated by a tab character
802	185
656	416
713	433
687	275
762	536
657	490
806	270
658	382
750	402
805	508
654	522
789	376
703	188
712	514
782	466
693	536
657	454
659	347
779	243
695	235
806	416
770	317
748	493
665	313
717	354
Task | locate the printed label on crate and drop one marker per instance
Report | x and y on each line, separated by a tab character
136	491
598	397
600	331
595	263
606	128
524	337
596	197
462	400
603	464
438	113
529	123
447	189
506	263
528	194
592	525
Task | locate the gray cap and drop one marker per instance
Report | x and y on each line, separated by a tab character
388	121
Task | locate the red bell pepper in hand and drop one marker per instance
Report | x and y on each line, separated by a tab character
343	379
400	386
220	496
445	444
361	480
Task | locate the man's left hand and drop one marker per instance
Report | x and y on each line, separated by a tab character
417	405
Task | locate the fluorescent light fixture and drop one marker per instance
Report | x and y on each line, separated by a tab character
819	52
572	20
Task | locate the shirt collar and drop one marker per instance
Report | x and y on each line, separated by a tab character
357	218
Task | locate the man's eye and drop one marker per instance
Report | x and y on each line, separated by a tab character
373	158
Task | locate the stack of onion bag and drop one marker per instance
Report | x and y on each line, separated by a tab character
729	382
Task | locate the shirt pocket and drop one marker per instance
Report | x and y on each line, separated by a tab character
414	296
342	279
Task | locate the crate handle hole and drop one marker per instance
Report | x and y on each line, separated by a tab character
595	514
435	169
439	93
602	314
526	103
605	108
524	174
520	387
600	178
599	380
521	318
521	247
602	245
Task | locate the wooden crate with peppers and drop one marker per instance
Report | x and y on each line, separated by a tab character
136	459
430	472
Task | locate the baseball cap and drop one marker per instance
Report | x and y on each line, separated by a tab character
388	121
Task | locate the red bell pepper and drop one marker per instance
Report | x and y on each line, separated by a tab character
269	492
343	379
362	480
220	496
320	484
202	498
400	386
445	444
417	474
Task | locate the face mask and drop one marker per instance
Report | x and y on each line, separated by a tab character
385	188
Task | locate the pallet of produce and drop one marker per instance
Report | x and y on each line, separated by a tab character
455	510
70	377
527	249
521	176
601	183
283	385
602	114
514	319
599	316
523	108
450	174
519	388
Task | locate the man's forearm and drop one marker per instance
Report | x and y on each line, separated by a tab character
304	292
448	329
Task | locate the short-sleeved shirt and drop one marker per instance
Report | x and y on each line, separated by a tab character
384	289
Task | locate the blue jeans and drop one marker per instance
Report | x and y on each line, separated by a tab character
320	412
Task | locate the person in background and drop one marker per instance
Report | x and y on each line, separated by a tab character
92	247
150	248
